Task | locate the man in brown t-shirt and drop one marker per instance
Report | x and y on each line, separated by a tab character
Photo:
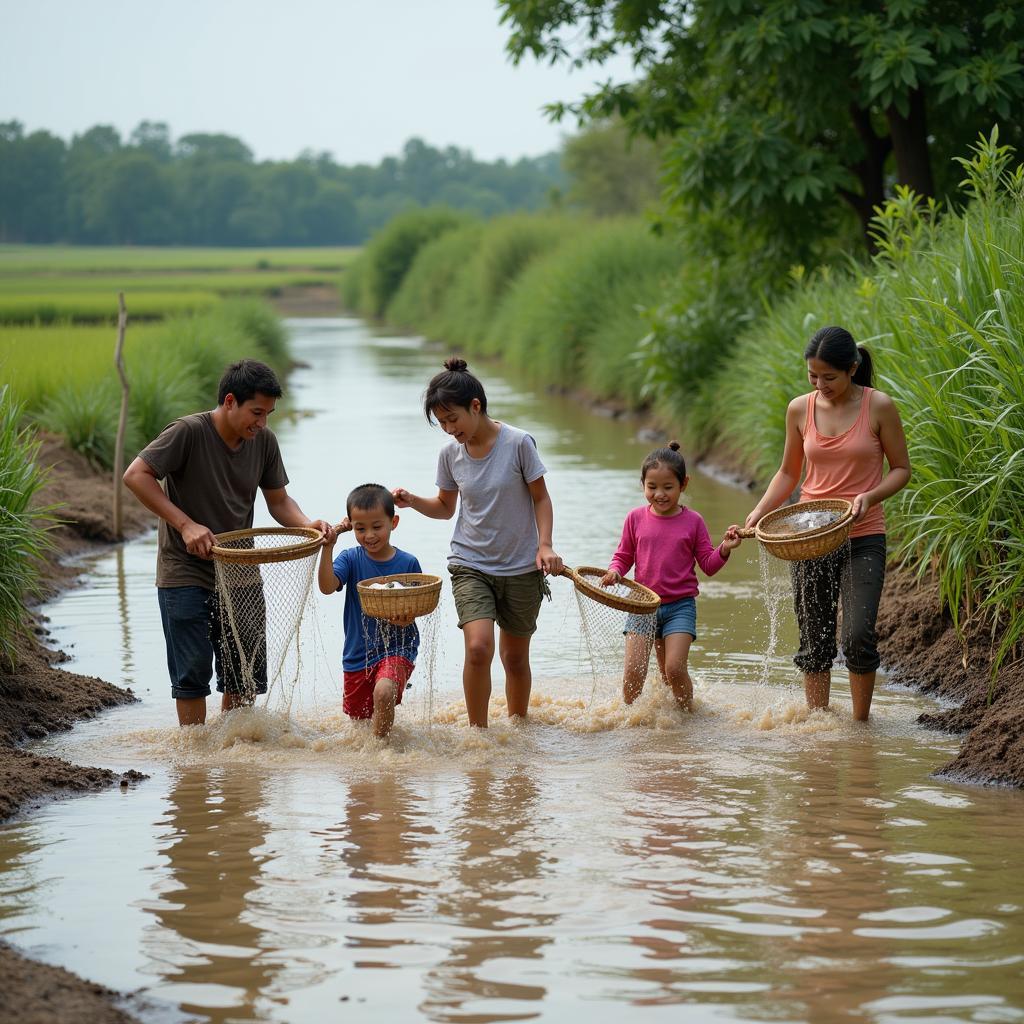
212	464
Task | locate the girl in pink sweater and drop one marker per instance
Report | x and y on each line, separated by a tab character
665	541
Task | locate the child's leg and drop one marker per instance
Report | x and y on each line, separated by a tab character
476	673
638	654
515	659
385	692
677	674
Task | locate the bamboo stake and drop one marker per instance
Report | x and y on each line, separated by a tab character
122	323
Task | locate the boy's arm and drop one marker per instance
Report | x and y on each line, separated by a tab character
326	578
547	560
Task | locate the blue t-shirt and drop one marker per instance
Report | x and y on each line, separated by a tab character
368	639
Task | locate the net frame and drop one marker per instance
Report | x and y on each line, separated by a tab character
249	564
638	599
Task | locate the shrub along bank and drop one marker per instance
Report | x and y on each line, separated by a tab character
560	298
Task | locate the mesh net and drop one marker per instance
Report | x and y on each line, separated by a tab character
264	585
605	631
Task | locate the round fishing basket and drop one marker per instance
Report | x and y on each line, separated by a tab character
418	595
626	595
777	533
262	544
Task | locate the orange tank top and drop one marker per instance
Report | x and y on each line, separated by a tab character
844	466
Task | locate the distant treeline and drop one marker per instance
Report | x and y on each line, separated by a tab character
207	189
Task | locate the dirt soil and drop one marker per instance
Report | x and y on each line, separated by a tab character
37	698
920	648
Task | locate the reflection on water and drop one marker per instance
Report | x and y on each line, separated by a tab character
751	861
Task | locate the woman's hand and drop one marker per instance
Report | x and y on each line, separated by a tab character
861	504
547	561
752	520
403	499
610	578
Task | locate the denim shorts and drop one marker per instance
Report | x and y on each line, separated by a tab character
674	617
191	621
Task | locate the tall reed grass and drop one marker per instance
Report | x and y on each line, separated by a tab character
23	528
942	313
65	380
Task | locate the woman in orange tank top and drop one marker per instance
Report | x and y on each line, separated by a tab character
840	432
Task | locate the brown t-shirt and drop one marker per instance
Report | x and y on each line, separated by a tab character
213	485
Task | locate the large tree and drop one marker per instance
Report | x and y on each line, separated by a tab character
778	110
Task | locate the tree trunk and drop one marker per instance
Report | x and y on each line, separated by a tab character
870	172
910	145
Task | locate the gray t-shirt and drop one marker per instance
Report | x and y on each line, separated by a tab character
212	484
496	529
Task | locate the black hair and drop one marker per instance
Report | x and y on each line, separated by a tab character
454	385
669	458
247	378
370	496
835	346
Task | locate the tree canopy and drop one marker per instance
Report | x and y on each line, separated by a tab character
782	111
207	189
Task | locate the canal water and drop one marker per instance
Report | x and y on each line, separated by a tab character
749	862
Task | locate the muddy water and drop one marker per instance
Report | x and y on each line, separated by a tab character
751	862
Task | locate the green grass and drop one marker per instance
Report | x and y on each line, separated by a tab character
35	259
63	376
47	285
23	536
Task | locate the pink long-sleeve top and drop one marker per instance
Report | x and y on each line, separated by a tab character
665	551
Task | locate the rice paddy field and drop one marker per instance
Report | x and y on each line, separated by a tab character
53	284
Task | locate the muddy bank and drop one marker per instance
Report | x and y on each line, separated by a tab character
920	648
37	698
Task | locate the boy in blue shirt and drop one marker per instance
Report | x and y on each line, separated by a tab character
377	659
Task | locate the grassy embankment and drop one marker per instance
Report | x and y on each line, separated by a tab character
57	365
940	307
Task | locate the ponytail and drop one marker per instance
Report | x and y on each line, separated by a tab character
865	371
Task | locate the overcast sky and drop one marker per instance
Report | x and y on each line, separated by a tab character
354	77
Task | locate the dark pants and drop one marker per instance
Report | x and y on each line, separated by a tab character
853	574
199	640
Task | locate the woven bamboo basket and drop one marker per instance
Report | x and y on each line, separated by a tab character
801	545
418	595
639	600
262	544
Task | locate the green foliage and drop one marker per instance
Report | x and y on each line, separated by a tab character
206	189
611	173
388	256
568	298
833	99
64	376
457	282
23	536
942	315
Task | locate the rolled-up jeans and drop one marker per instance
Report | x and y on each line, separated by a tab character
195	646
851	576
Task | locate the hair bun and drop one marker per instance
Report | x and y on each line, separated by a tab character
674	445
456	365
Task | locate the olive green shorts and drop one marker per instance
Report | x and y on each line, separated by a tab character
511	601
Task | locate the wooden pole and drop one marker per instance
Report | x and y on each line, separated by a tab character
122	421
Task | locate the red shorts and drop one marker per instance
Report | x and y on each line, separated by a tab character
357	701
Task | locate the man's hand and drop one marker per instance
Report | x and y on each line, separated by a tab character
198	539
403	499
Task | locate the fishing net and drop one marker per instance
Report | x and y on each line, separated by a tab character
609	618
264	580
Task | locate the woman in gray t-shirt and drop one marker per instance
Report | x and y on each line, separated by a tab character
501	548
